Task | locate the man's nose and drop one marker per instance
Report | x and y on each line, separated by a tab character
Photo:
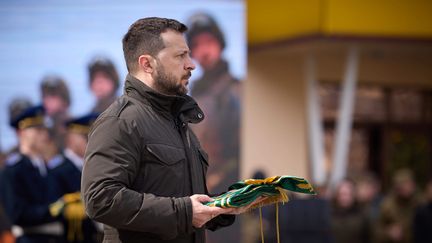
190	65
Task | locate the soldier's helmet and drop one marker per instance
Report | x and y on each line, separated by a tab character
203	23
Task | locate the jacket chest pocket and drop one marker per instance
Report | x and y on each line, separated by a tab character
165	170
166	155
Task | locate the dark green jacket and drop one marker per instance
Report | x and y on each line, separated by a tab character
142	163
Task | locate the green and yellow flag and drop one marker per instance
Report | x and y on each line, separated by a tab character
273	189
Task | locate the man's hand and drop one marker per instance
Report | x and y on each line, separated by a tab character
202	213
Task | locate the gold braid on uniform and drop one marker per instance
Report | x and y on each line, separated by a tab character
72	208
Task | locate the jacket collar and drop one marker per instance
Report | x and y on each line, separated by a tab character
171	106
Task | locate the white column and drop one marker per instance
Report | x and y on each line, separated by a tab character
315	133
344	123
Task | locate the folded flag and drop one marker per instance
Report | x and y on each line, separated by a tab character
272	189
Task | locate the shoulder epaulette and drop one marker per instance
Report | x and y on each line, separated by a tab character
56	161
13	159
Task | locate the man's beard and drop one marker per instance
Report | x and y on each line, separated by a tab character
166	83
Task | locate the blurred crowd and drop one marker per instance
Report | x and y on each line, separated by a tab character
40	177
355	210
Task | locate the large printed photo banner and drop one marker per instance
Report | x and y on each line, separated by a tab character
61	38
53	47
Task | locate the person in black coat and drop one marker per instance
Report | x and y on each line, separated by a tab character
143	161
66	168
304	220
5	225
27	188
423	219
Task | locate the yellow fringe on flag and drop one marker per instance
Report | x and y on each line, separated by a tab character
261	225
282	197
277	222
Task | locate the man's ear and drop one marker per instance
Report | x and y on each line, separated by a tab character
146	63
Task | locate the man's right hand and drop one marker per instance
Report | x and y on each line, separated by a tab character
202	213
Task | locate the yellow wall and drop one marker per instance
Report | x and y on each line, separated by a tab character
279	19
270	21
394	18
274	125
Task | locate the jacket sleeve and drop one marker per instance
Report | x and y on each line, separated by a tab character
111	165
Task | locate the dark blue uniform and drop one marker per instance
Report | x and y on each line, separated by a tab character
65	173
4	220
28	192
65	169
68	180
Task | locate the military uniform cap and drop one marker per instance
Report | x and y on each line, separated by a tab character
30	117
17	106
81	124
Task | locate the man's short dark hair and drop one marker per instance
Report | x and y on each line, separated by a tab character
103	65
143	37
55	85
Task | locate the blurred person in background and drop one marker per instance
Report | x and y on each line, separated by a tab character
304	219
6	235
65	167
2	159
104	82
218	93
348	222
369	195
370	198
397	209
56	101
76	142
26	187
423	218
15	108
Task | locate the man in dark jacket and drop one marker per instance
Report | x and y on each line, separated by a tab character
144	170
